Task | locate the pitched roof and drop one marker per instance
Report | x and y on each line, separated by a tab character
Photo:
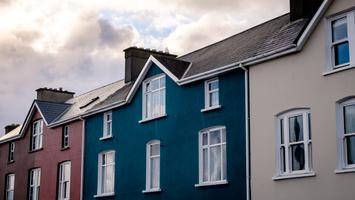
11	134
175	66
267	37
51	110
84	102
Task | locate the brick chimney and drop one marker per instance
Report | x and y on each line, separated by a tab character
303	8
10	127
54	95
135	58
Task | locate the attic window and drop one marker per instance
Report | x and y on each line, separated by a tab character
90	102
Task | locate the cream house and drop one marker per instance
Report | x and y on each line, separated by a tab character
302	112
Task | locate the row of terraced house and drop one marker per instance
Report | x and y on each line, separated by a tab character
266	114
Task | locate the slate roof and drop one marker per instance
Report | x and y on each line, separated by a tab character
51	110
84	102
175	66
267	37
11	134
119	96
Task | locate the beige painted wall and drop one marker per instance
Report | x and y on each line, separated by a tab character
297	81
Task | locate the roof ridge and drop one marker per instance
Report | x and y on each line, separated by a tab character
251	28
97	88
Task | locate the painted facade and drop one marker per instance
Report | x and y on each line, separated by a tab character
178	133
302	80
48	158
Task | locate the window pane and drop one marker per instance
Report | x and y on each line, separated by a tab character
282	130
341	53
215	137
204	139
162	101
224	157
162	82
282	159
155	84
340	29
155	149
296	128
155	103
213	85
350	149
205	165
349	115
297	157
215	163
154	176
109	179
109	158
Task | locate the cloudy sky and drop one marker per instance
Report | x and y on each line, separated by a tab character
77	44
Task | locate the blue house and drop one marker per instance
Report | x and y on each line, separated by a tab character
175	130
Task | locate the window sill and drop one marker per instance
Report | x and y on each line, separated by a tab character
153	118
345	170
106	138
151	191
293	176
211	184
64	148
104	195
211	108
10	162
339	69
35	150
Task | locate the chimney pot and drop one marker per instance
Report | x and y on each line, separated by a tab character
10	127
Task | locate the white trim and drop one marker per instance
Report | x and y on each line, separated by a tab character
208	146
104	195
343	171
211	108
224	182
107	125
293	176
99	174
208	92
106	138
307	143
62	181
338	70
148	172
153	118
37	137
151	191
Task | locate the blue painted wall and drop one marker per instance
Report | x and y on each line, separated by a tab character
178	133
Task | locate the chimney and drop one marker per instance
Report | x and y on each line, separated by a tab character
303	8
54	95
135	59
10	127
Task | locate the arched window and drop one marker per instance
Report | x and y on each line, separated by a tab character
153	166
294	143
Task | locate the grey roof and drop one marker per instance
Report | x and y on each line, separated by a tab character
267	37
11	134
50	110
119	96
175	66
84	102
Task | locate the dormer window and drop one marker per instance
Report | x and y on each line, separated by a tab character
154	97
37	135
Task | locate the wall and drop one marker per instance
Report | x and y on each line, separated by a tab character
297	81
47	159
178	133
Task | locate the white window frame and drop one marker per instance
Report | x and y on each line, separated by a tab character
10	188
37	135
149	158
101	193
307	142
223	145
11	152
342	155
208	92
34	182
331	67
65	138
64	181
146	116
107	125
